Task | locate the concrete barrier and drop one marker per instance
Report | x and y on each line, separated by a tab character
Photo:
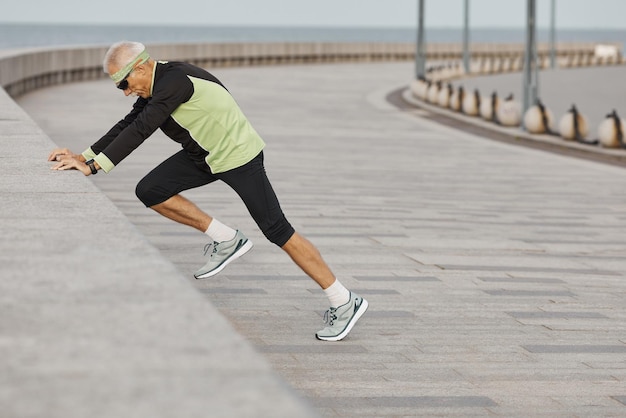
94	322
27	69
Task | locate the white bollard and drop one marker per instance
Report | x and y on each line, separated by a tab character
419	88
489	106
444	95
456	70
471	103
611	131
433	92
538	119
573	126
456	101
416	87
444	73
509	113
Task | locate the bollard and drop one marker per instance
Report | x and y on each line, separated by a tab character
471	103
442	74
424	95
538	119
433	92
489	107
573	126
486	66
431	74
416	86
611	131
509	113
456	101
457	71
419	87
444	95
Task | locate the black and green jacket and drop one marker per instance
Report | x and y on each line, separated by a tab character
192	107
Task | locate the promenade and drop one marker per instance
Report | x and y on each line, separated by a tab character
495	273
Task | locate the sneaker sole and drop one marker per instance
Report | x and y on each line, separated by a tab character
241	251
358	314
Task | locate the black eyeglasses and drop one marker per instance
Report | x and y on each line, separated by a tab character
123	85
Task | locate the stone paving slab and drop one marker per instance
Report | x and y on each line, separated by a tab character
495	273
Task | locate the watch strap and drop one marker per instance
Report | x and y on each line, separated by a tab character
92	166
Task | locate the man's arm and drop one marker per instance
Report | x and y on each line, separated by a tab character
58	153
67	160
171	91
110	136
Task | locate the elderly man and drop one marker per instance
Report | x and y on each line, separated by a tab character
193	108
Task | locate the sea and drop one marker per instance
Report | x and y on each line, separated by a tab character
20	35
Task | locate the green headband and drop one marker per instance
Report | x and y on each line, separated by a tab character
141	58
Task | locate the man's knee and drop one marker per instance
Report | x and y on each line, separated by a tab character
279	232
149	192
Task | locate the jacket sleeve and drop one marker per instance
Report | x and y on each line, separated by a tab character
103	142
173	89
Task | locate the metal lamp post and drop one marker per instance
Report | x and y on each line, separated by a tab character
466	53
553	34
420	53
531	76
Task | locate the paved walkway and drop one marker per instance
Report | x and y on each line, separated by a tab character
495	273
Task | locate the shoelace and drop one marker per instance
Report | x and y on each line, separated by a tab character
206	248
330	316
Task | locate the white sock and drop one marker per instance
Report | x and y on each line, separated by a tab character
219	232
337	294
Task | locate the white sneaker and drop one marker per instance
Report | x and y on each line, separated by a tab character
223	253
341	320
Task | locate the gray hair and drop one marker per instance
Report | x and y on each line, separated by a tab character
121	54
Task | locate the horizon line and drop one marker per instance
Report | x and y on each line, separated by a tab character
304	26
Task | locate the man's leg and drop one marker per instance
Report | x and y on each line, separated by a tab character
159	190
309	259
341	317
184	211
251	183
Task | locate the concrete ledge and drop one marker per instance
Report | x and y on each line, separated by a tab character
94	322
23	70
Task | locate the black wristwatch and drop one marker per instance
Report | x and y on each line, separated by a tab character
92	166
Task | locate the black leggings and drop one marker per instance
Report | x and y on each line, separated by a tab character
250	182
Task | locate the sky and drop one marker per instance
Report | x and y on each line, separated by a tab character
583	14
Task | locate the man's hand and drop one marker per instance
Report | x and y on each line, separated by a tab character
71	163
59	153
